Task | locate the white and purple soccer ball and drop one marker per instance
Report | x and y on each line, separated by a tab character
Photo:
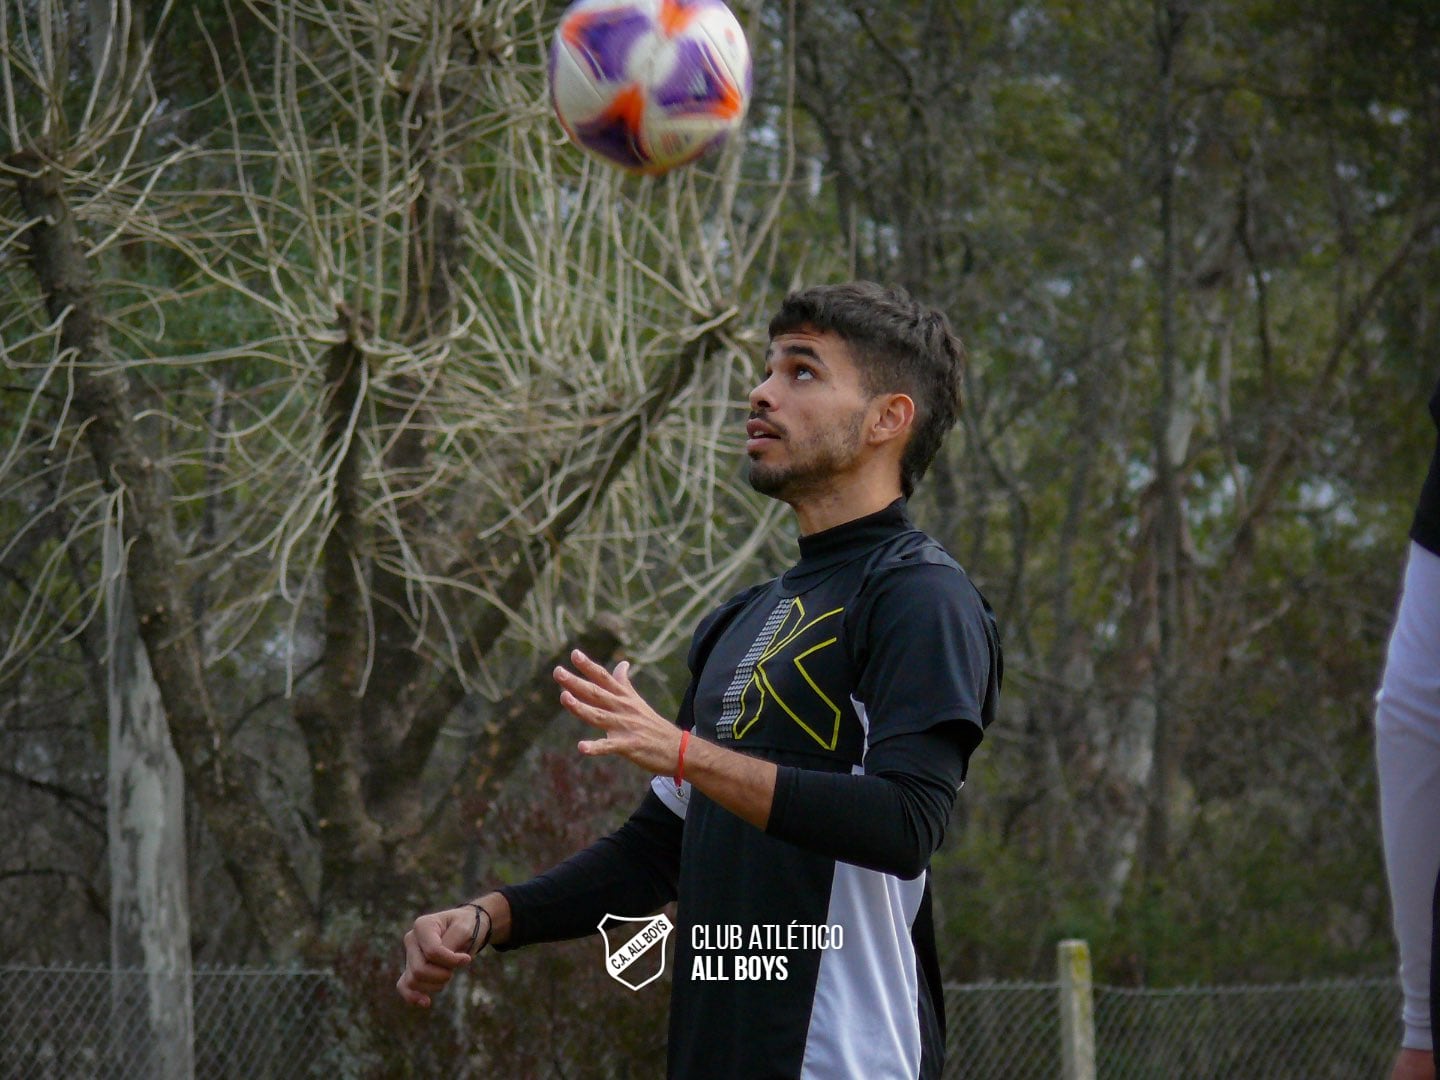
647	85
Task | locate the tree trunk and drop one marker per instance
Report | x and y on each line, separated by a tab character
255	853
1170	431
149	893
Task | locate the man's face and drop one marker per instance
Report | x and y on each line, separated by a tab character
806	417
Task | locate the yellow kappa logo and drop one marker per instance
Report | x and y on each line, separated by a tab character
794	641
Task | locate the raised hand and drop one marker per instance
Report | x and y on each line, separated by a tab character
609	701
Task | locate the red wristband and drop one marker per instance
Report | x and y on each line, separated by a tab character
680	764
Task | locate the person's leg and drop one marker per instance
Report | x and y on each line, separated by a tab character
1407	739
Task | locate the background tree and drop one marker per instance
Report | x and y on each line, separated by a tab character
1180	241
394	397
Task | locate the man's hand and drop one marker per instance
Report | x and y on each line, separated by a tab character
434	951
609	702
742	784
435	946
1414	1065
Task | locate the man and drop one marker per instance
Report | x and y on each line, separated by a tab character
1407	744
820	745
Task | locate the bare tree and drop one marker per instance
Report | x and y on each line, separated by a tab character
404	396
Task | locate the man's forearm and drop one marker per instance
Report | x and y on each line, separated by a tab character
741	784
633	871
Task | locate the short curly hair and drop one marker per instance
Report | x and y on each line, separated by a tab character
901	346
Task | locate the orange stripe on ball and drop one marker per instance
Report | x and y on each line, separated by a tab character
674	17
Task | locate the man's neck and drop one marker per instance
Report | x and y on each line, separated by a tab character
822	511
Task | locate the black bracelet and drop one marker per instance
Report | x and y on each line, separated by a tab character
476	945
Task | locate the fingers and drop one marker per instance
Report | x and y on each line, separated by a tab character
580	691
608	701
1413	1065
408	991
593	694
599	747
591	681
596	673
429	963
592	715
430	932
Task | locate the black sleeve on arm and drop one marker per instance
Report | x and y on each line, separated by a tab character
890	819
631	872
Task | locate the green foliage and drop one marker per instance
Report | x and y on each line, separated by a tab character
533	1012
1002	159
1303	348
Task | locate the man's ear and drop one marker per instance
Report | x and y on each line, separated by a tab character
893	420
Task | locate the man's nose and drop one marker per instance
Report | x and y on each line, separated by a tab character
760	397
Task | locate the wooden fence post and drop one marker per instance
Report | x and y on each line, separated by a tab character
1077	1010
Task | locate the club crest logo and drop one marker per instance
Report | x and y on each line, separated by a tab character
635	948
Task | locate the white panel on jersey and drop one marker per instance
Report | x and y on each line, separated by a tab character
859	707
865	1020
677	799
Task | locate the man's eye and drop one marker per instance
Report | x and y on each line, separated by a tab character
803	372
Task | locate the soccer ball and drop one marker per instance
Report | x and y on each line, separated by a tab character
649	84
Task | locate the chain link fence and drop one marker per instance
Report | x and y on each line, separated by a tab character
1002	1030
90	1022
1343	1029
1309	1031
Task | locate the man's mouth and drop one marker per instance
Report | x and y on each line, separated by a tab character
758	433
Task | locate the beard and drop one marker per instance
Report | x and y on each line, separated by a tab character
811	465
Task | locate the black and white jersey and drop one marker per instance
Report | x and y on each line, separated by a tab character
875	635
867	673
